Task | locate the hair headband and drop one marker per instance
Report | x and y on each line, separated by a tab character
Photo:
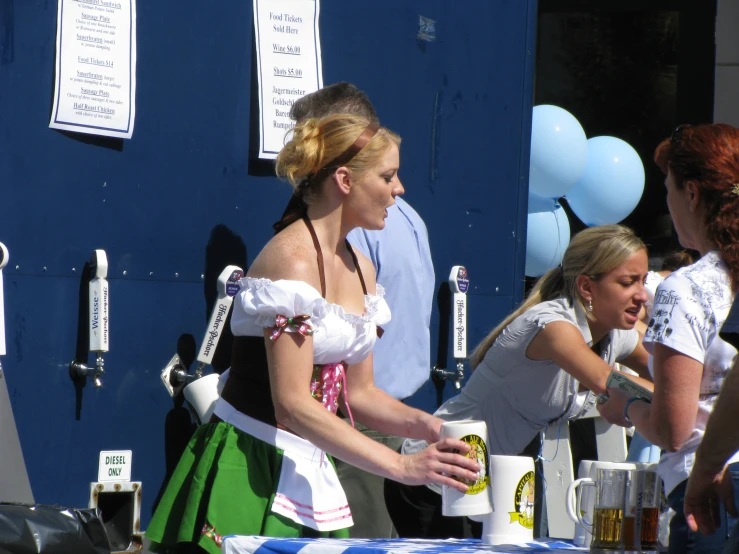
346	156
296	206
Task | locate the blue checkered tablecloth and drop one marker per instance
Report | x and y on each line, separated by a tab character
236	544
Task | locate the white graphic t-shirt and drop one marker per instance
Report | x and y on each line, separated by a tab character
690	306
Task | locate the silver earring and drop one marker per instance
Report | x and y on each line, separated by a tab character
590	305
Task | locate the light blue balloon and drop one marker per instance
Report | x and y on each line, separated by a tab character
612	184
559	151
547	237
540	204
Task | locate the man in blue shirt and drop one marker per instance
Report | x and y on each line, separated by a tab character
402	357
401	256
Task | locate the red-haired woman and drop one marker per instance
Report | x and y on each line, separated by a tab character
690	361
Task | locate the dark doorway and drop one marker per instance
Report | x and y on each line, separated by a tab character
633	70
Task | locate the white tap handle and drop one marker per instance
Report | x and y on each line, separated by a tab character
4	257
459	283
100	263
228	286
99	304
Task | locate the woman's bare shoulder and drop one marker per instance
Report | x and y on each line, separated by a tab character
288	255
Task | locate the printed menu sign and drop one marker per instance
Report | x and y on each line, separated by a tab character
95	86
289	65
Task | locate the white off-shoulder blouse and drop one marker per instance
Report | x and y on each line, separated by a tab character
338	336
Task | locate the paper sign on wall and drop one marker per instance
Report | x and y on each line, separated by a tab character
288	64
95	86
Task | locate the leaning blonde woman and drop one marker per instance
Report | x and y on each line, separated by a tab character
545	363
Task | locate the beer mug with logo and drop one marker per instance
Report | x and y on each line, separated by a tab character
514	501
641	517
608	508
476	500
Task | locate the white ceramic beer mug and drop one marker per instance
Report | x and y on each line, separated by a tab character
514	495
476	500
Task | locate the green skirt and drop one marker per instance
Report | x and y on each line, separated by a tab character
224	484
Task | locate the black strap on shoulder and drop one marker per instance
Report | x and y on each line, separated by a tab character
380	330
356	265
319	254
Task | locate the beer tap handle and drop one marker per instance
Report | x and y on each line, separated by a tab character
98	323
175	375
99	304
4	258
228	286
458	284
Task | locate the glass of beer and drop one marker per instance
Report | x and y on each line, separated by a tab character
608	509
641	517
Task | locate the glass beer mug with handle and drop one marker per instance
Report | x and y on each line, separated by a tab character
608	508
588	470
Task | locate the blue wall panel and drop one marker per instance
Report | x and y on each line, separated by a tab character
461	103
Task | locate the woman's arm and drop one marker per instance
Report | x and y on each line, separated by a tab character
290	360
669	420
379	411
563	343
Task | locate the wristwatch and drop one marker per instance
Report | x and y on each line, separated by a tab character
627	419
